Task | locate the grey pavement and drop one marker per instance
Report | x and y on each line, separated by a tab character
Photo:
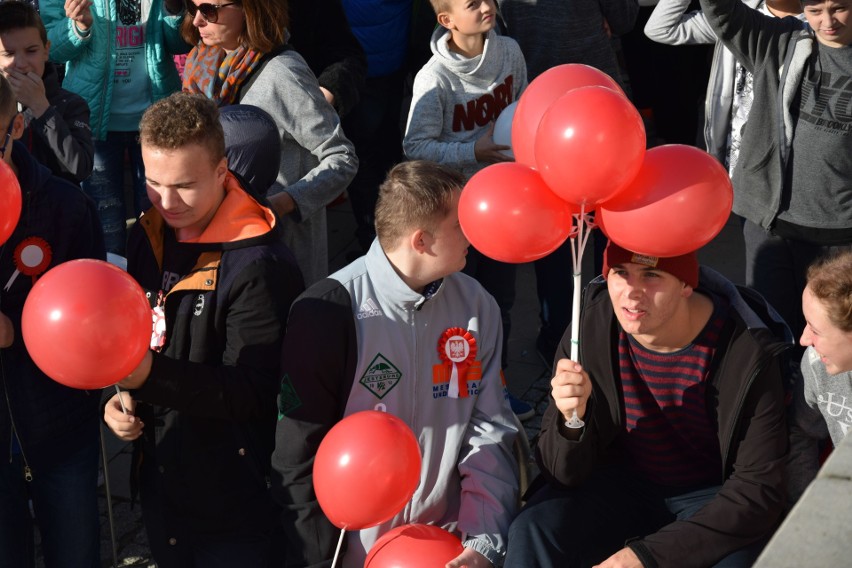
527	376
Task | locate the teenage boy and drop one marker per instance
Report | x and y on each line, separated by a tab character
379	331
680	462
57	130
472	76
794	173
49	432
220	282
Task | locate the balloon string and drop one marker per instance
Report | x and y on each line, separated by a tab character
120	399
578	245
337	551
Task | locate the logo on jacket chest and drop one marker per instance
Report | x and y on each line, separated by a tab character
381	376
479	112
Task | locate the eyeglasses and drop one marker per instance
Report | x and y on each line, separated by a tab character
210	12
7	137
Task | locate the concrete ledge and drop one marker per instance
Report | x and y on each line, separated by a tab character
816	533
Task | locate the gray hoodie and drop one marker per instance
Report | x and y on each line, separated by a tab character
822	408
456	99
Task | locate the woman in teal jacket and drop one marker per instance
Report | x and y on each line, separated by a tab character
119	58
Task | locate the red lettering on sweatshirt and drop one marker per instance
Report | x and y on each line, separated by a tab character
479	112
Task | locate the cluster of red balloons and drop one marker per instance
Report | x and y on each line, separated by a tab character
577	138
86	324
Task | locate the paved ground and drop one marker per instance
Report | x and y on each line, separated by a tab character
527	376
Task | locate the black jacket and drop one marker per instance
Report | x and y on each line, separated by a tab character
61	138
51	420
746	399
211	394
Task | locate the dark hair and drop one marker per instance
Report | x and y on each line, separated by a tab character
16	15
415	194
8	102
182	119
830	281
265	25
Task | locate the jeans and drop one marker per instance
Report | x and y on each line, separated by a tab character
584	526
106	185
65	501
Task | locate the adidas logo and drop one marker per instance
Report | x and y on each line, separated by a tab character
368	309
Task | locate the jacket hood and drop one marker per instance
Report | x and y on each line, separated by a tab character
239	220
480	70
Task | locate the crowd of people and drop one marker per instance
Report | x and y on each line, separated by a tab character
240	122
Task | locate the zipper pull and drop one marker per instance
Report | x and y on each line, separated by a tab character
28	473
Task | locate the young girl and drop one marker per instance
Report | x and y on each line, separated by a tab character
823	399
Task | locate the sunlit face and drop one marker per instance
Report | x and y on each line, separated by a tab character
833	345
829	21
229	26
644	299
448	245
23	51
471	16
185	185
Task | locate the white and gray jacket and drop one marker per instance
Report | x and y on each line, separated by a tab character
456	99
672	25
777	52
361	340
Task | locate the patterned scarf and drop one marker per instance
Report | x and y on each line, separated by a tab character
218	75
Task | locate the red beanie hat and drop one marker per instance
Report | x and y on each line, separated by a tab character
683	267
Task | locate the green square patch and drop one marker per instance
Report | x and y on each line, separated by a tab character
381	376
288	400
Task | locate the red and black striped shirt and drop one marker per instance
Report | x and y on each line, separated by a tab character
670	436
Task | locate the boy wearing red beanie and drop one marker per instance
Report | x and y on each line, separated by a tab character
680	461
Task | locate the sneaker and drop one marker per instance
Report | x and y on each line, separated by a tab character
521	409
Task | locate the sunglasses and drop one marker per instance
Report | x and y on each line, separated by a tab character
210	12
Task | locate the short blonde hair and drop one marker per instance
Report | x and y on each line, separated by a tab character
415	195
440	5
830	281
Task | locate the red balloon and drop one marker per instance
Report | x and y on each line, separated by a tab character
590	145
509	214
366	469
86	324
414	546
678	202
10	201
543	92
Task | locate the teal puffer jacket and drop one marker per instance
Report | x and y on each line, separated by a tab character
90	61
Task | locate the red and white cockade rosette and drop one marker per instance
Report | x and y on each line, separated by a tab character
457	350
32	256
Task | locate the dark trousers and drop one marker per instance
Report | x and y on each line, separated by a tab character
373	126
65	501
498	279
174	544
572	528
777	268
